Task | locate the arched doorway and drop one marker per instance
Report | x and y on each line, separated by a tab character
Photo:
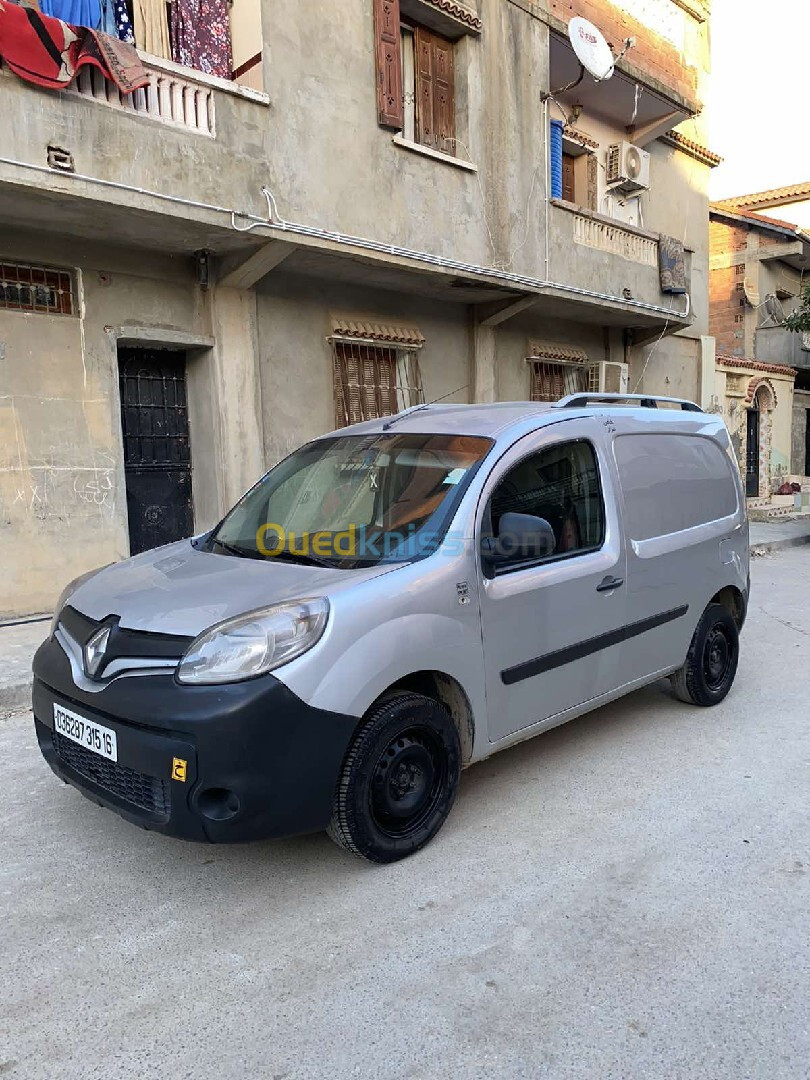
761	401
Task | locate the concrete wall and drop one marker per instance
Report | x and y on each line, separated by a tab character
801	407
62	486
294	321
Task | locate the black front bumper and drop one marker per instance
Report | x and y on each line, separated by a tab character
259	762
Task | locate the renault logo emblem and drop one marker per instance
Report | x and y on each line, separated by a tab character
94	650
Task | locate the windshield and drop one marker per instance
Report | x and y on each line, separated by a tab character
354	500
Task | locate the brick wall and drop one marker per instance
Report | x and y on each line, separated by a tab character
727	308
651	54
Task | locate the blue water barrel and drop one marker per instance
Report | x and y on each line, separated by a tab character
556	152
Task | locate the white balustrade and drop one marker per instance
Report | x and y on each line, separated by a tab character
166	99
616	239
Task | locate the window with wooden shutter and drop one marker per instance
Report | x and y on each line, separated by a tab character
592	169
568	184
372	381
388	52
435	91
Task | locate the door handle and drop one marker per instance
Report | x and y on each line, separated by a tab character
609	583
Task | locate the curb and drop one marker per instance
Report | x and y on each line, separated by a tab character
767	546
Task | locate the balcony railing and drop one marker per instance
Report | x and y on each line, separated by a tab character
168	98
616	239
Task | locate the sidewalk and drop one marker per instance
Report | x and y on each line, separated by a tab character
771	536
19	642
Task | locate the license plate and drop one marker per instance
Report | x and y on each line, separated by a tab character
87	733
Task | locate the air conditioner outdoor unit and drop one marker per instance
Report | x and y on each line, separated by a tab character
608	377
628	167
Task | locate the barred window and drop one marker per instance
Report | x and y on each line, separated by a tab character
373	380
39	289
554	379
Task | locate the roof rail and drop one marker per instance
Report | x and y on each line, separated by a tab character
645	401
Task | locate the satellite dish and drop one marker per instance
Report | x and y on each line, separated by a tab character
773	305
591	49
751	291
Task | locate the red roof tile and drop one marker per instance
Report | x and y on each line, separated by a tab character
755	365
774	197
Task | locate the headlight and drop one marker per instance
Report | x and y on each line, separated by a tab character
255	643
68	591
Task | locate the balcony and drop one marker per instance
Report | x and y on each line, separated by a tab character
775	345
174	96
185	142
594	252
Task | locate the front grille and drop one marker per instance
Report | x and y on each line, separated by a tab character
146	792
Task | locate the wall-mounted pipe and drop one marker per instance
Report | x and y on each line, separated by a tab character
275	223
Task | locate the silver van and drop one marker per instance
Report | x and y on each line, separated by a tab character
391	603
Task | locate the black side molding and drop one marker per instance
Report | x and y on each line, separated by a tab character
529	668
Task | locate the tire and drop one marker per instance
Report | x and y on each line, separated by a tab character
398	781
711	663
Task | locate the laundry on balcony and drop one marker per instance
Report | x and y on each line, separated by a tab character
672	265
50	52
201	36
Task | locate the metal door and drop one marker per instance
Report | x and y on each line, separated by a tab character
752	455
807	444
552	632
157	454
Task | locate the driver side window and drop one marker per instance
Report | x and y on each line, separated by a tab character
560	484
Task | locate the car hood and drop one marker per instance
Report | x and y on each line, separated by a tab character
180	590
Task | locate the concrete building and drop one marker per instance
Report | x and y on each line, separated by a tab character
433	225
758	263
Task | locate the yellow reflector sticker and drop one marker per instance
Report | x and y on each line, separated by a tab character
179	766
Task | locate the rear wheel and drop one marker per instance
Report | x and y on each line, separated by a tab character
711	662
398	781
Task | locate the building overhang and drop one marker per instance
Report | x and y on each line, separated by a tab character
794	248
632	100
248	248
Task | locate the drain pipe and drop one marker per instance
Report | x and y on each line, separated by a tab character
275	223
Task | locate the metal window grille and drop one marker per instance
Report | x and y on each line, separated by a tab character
154	414
374	380
552	380
36	288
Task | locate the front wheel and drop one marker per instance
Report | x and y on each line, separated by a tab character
711	662
398	781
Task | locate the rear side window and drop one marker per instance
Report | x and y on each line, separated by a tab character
560	484
672	482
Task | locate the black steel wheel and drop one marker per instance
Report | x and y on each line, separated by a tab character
711	663
398	781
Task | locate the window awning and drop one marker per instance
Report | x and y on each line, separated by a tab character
550	350
444	16
360	330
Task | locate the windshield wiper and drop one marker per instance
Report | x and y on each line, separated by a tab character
242	553
298	556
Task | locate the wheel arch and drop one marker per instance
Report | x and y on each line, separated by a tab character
448	692
733	600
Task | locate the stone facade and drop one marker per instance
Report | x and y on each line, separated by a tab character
756	272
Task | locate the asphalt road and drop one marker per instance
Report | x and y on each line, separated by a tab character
626	896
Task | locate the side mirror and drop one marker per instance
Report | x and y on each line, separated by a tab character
520	537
